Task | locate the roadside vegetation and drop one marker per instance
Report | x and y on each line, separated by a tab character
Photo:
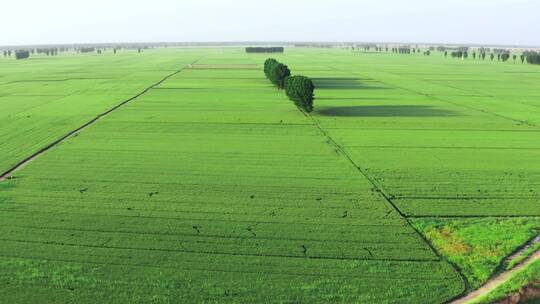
515	287
478	247
525	253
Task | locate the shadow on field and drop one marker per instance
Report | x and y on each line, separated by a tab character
352	98
386	111
342	83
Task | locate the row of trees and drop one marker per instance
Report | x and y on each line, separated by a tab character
53	51
299	89
532	57
86	50
265	49
504	57
402	50
22	54
462	52
276	72
459	54
48	51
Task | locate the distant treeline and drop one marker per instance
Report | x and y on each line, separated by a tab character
501	56
460	54
532	57
401	50
277	49
48	51
314	45
54	51
32	51
22	54
298	88
87	50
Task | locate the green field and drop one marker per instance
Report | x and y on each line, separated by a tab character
213	187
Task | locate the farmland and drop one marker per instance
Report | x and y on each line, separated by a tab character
213	187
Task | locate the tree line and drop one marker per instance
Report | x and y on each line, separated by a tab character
86	50
532	57
22	54
48	51
299	89
276	72
265	49
401	50
500	54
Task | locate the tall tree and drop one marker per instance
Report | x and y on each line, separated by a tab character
300	89
276	72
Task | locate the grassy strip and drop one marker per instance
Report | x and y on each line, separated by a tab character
525	254
478	246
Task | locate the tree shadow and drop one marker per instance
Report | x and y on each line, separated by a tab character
352	98
342	83
386	111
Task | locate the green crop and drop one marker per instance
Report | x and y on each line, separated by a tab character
213	187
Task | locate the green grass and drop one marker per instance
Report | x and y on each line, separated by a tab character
478	246
213	187
524	255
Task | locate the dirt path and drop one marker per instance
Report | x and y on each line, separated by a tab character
9	173
497	281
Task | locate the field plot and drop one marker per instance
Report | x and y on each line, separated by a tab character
45	97
211	187
444	137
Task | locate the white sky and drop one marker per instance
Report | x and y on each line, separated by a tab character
453	21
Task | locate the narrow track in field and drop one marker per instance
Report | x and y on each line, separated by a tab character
9	173
497	281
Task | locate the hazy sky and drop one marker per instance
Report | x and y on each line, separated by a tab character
456	21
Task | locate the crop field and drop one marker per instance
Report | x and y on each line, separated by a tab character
43	99
444	137
211	186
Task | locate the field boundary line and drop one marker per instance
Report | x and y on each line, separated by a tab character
21	164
